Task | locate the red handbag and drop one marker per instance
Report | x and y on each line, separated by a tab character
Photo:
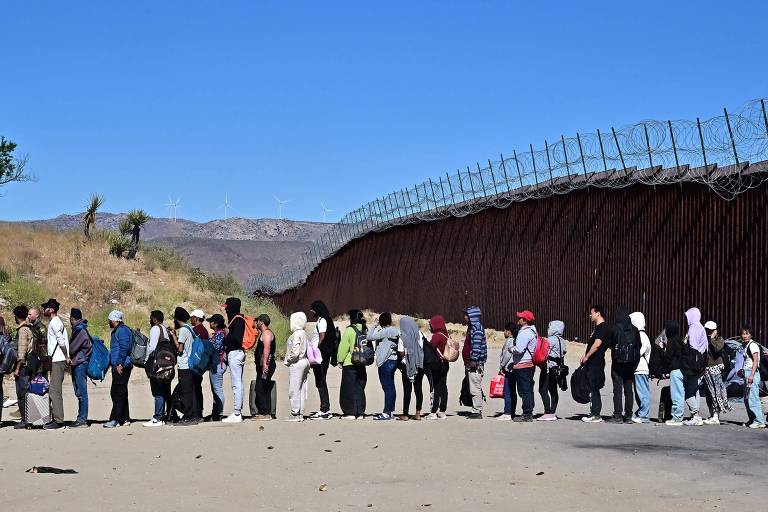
497	386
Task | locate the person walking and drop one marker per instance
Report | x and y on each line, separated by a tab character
440	371
673	355
161	389
624	359
696	341
26	351
353	376
522	362
298	365
264	357
593	361
505	368
218	325
752	353
411	351
324	338
80	349
58	351
642	380
386	338
716	393
120	359
183	337
548	375
233	345
196	318
475	354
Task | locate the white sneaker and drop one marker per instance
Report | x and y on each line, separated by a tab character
322	416
714	420
547	417
154	423
592	419
431	417
233	418
504	417
696	421
757	425
442	416
674	423
296	418
10	402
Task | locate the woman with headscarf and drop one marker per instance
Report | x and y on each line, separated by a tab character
298	365
353	376
412	366
324	337
692	377
386	338
440	371
717	395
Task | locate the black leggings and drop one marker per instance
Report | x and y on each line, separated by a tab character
548	390
352	391
440	382
321	371
416	386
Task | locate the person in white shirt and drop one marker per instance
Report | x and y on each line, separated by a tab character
161	390
642	388
58	350
182	336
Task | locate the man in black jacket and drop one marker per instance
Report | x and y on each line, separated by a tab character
233	345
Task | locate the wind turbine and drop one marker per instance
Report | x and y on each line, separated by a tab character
326	211
227	206
172	207
280	204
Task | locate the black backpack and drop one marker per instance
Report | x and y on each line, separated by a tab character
8	355
692	362
580	388
626	349
362	351
431	359
334	354
161	364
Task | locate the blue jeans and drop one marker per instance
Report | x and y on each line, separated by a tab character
80	383
510	393
677	392
524	381
217	389
642	396
387	378
752	398
161	392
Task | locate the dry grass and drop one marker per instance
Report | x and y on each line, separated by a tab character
41	264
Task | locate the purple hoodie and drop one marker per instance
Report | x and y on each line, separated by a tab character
697	336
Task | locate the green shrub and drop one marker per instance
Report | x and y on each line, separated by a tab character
4	276
118	245
123	286
168	259
22	290
224	284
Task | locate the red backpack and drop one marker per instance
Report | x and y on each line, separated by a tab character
541	352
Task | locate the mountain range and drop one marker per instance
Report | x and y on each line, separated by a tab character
237	246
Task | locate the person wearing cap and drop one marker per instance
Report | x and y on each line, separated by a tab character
80	349
218	324
264	357
522	362
183	336
120	359
716	393
233	346
196	318
58	351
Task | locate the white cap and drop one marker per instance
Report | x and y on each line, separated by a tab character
712	326
198	313
116	316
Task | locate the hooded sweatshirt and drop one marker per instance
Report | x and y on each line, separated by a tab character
557	345
439	333
525	345
296	347
475	351
674	344
697	335
638	320
234	340
414	354
81	345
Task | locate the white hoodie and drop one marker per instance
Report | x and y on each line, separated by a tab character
638	320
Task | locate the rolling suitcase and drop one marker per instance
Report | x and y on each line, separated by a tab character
252	399
37	410
665	405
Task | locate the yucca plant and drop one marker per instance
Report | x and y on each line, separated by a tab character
136	219
89	219
118	245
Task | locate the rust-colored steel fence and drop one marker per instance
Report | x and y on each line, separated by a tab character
659	250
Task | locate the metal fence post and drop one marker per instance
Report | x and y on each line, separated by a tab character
504	168
565	155
730	132
621	155
674	150
765	116
602	151
535	174
450	187
482	182
703	151
648	144
493	177
471	183
461	186
517	164
581	153
549	164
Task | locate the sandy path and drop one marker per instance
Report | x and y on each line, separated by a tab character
451	465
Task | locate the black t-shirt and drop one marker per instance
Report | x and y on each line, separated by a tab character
605	333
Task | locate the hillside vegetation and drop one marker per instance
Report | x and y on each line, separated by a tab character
36	264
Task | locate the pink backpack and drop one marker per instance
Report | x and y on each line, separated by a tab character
313	354
541	352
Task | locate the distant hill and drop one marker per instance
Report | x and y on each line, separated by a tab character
237	246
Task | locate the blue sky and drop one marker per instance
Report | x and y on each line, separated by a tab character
338	102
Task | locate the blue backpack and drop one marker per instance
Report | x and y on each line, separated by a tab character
202	355
98	364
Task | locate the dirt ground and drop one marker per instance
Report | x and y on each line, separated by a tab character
456	464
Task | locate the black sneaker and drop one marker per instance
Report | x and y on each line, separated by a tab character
52	426
616	418
79	424
628	420
525	418
20	426
475	416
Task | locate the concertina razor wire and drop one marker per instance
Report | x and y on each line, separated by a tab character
716	152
